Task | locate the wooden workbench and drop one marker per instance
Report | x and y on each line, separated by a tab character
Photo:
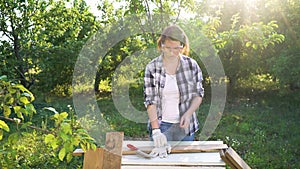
184	155
184	160
195	154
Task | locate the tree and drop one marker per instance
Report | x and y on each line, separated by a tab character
16	26
148	16
284	65
65	29
241	38
43	39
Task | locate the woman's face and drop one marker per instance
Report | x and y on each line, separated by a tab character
171	48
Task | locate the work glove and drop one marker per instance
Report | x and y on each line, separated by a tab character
162	152
162	148
159	138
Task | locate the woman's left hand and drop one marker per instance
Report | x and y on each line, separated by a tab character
185	120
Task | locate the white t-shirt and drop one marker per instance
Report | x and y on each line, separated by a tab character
170	100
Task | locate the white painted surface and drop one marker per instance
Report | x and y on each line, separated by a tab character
174	161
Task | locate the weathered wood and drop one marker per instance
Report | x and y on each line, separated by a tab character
111	160
186	160
227	161
235	159
109	157
172	143
183	149
204	158
93	159
78	152
114	142
177	148
208	159
101	159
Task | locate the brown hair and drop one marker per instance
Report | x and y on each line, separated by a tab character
174	33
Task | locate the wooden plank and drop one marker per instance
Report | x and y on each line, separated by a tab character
183	149
177	146
179	159
78	152
101	159
109	157
177	149
114	142
184	160
224	158
235	159
113	146
93	159
111	160
172	143
175	160
197	146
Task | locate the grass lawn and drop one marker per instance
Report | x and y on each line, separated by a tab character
263	130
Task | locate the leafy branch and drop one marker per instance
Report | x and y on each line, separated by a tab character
16	107
24	125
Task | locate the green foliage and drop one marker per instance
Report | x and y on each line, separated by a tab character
255	37
15	103
65	30
67	135
239	47
16	126
286	68
41	41
37	35
148	16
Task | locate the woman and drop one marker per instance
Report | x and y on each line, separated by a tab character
172	89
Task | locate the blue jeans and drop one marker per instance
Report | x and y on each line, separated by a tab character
173	132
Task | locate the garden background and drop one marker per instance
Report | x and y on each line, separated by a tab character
41	41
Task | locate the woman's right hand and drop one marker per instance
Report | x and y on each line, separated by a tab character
159	138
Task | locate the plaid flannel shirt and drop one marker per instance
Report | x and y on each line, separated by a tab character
189	80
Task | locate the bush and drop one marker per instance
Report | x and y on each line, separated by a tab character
25	144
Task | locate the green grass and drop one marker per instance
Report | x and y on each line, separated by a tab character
120	123
263	129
